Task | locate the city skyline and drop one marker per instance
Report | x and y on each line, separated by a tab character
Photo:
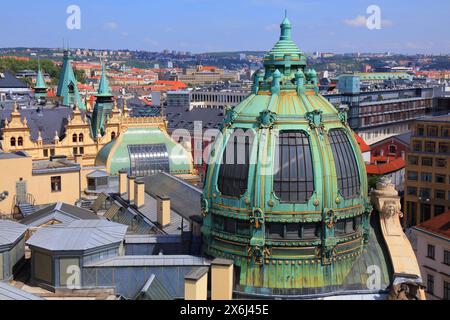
215	27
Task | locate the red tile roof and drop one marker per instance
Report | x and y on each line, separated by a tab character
362	144
439	225
386	168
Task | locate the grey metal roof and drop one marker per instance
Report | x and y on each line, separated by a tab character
151	239
98	174
154	290
8	292
185	199
10	81
10	232
78	235
62	212
147	261
47	120
176	221
181	118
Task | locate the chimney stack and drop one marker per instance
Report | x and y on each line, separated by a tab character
222	279
123	182
163	211
196	285
139	193
130	188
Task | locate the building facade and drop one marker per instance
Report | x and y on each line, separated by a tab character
427	187
432	245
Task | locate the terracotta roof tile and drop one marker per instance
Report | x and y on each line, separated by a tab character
439	225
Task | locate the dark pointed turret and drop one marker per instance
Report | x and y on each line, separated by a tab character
68	85
103	105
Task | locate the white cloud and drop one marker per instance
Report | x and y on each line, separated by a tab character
272	27
359	21
111	25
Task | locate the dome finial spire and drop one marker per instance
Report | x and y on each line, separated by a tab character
286	28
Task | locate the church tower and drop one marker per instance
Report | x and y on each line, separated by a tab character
68	85
103	105
40	89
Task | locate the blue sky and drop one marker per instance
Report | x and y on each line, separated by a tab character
228	25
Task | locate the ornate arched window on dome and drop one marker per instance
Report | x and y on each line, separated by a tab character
347	171
234	169
294	174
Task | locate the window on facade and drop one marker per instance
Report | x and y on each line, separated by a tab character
445	132
446	295
52	152
438	210
432	131
411	210
431	253
430	284
412	191
425	193
346	166
413	176
81	150
417	146
13	142
74	138
420	131
392	149
243	228
20	142
276	230
427	162
235	166
413	160
45	153
447	257
294	175
55	184
230	225
75	151
425	212
444	147
440	178
427	177
430	147
440	194
113	135
441	163
81	137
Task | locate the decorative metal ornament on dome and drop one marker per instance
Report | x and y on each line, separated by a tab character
287	198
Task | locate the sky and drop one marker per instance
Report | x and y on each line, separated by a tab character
407	26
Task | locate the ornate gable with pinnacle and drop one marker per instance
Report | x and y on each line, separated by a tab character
68	85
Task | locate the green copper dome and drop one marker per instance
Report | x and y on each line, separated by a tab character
286	191
145	151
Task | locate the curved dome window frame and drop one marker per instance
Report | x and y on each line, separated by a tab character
307	164
348	174
236	174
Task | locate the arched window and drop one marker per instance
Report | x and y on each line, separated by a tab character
233	172
294	174
20	142
113	135
81	138
74	138
347	170
13	142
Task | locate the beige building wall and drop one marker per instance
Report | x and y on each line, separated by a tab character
11	171
40	187
436	268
